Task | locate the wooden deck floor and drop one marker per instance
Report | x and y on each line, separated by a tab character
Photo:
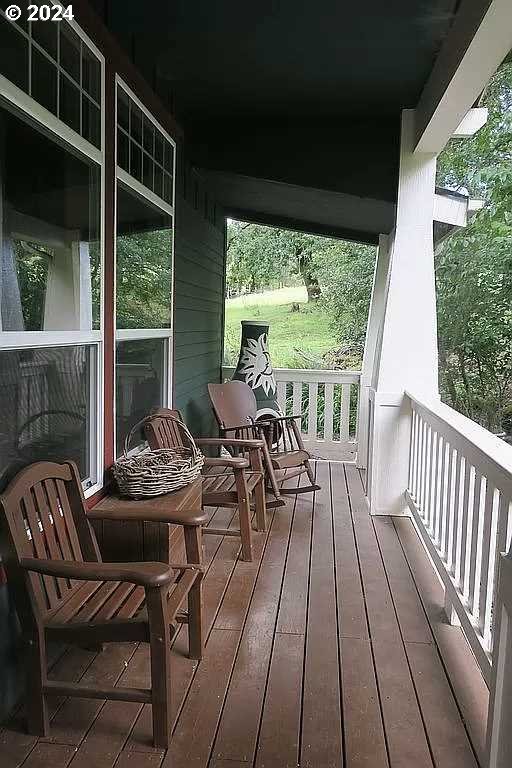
322	652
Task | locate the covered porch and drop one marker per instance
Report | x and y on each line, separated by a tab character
373	626
331	648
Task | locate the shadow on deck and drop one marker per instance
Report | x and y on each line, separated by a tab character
325	651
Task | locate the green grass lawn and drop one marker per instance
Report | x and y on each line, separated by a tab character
296	339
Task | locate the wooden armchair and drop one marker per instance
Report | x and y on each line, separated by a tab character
63	591
227	481
235	408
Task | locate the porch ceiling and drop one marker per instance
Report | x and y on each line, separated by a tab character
307	94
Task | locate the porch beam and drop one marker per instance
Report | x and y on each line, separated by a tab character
479	40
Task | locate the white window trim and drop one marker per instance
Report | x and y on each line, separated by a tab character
73	141
130	334
37	339
120	82
143	191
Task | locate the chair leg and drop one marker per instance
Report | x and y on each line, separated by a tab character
195	620
37	709
159	640
310	472
261	506
271	475
244	514
193	543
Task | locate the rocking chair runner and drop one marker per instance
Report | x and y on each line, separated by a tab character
235	408
63	591
243	479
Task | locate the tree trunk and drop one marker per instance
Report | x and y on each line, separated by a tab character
310	281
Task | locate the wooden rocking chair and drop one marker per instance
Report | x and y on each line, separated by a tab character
243	480
235	408
63	591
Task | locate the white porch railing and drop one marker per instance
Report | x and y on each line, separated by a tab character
328	401
459	492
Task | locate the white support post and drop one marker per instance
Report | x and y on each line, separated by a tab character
375	318
406	353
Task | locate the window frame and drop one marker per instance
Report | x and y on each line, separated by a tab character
70	140
129	182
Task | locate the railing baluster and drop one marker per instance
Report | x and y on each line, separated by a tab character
421	479
432	480
437	485
281	396
447	504
454	531
500	539
426	451
345	413
441	483
410	474
473	546
328	411
490	504
417	461
312	410
297	397
464	525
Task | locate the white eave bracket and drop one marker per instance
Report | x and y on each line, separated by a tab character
452	210
475	119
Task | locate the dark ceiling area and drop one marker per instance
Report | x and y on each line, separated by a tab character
294	92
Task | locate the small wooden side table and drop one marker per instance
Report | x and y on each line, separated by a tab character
140	529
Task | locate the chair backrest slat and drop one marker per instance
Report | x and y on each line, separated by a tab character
36	532
161	431
61	531
48	521
44	517
69	520
233	403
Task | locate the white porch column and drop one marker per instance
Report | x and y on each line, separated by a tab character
375	318
406	353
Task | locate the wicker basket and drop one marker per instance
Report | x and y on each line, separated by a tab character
153	473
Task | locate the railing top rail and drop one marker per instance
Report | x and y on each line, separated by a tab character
311	375
492	452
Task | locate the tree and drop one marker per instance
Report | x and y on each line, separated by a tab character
474	269
259	256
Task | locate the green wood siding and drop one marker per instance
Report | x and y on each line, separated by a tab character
199	269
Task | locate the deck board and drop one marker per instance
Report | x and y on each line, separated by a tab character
329	649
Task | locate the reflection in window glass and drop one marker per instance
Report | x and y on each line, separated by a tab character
144	263
45	407
140	384
49	241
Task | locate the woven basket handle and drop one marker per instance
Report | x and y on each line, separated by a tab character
193	447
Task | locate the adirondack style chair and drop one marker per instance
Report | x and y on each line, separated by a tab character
63	591
235	409
227	481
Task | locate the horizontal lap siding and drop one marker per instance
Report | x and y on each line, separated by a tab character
198	303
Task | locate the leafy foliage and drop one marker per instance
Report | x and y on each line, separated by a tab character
474	269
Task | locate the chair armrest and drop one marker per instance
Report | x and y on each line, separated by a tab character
145	574
156	514
273	419
231	462
233	427
227	442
